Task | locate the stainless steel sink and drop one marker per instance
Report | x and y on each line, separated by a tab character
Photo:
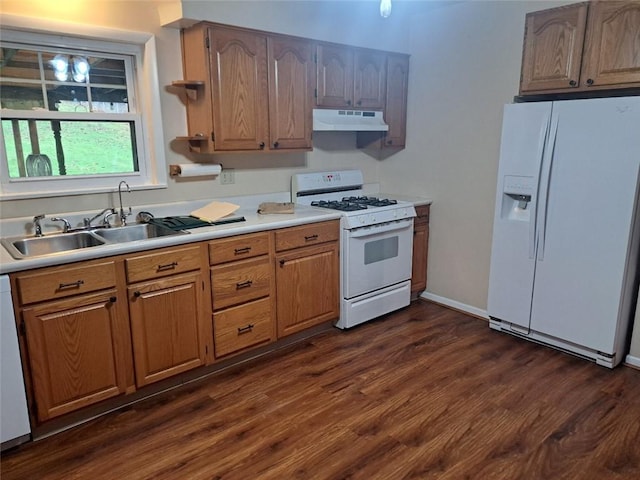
37	246
27	247
131	233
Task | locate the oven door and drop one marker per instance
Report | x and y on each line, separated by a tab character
376	256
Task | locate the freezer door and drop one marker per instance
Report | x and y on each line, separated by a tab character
586	234
524	131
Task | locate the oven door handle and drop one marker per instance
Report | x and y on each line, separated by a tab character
380	228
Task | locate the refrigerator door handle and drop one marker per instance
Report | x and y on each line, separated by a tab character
544	191
533	223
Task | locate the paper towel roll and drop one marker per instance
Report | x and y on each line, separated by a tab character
196	169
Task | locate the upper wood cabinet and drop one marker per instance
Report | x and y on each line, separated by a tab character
256	93
395	108
350	77
291	78
585	46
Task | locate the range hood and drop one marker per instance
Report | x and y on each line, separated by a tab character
325	120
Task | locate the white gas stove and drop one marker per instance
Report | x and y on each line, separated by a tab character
376	243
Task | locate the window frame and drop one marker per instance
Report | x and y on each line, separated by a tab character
146	89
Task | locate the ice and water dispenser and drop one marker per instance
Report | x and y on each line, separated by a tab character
516	197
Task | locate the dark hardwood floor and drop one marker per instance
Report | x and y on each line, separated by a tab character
423	393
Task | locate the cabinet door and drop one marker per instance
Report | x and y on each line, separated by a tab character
334	76
307	283
291	80
419	265
396	102
369	79
168	327
612	50
553	41
77	351
239	89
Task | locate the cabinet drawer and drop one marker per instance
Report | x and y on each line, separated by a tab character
422	212
157	265
304	235
66	281
243	326
238	248
240	282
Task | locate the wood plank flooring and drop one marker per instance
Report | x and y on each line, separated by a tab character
423	393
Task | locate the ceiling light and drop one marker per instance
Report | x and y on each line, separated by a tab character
385	8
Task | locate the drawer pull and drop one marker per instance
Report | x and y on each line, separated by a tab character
240	251
245	284
167	266
77	284
246	329
113	299
310	238
136	294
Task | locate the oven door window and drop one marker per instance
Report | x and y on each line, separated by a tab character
379	250
377	259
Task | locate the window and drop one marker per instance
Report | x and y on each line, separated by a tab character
73	120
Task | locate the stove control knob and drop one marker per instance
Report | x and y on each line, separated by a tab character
373	218
362	220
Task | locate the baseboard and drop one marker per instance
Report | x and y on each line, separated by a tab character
455	305
632	361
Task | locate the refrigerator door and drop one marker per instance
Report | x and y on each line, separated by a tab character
524	132
585	231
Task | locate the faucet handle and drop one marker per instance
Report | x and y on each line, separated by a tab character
36	224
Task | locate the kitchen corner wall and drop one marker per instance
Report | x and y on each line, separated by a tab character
465	64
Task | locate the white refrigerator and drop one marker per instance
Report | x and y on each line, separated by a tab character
564	255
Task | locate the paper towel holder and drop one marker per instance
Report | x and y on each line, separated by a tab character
175	170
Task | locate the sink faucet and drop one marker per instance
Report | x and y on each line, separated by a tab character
107	212
123	215
36	225
67	225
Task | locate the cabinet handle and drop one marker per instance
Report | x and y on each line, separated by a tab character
246	329
282	263
76	284
589	81
572	83
113	299
349	102
275	144
359	102
240	251
245	284
136	294
261	145
310	238
389	142
167	266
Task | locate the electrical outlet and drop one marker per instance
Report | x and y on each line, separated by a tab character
227	177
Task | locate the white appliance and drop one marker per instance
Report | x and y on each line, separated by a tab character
565	236
348	121
376	243
14	425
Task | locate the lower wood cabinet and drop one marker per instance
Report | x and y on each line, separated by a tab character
307	277
94	330
75	336
242	287
420	251
243	326
168	327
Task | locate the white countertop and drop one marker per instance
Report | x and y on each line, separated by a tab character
254	222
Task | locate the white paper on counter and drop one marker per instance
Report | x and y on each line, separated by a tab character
215	210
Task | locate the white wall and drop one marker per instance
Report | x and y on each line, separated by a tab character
465	65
